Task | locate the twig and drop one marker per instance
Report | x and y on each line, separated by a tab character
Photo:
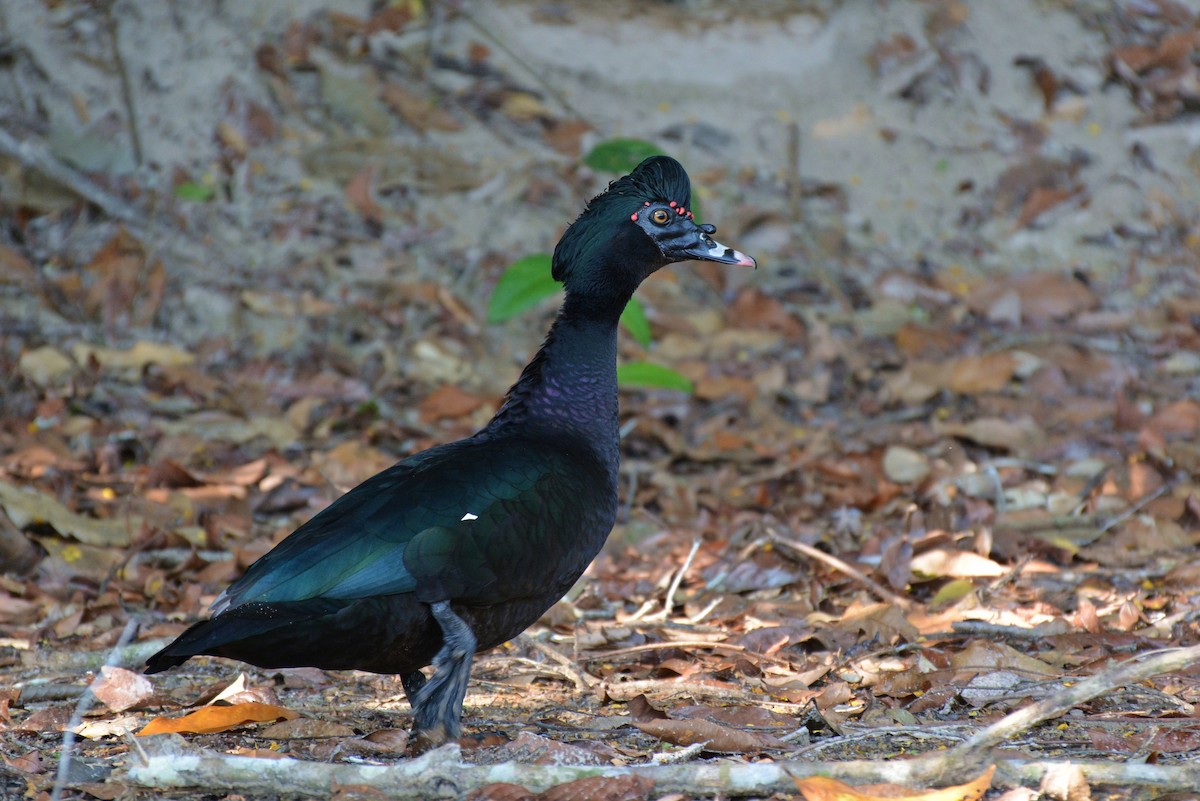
675	757
991	472
625	690
1166	487
85	702
135	137
795	186
536	74
669	601
35	156
1057	523
981	628
170	762
837	564
703	613
121	656
1137	669
582	680
597	656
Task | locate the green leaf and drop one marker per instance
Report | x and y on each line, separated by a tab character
635	322
651	376
190	190
620	155
524	283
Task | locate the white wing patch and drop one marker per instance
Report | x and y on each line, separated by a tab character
468	516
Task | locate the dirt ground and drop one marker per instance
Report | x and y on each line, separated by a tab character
940	456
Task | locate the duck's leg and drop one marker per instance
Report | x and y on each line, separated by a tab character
413	682
438	704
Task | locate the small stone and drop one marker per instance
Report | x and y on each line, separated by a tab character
904	465
44	366
1184	362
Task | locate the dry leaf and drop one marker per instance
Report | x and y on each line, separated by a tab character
45	366
715	737
947	563
350	463
600	788
360	194
501	791
30	762
306	729
972	375
120	689
136	358
449	401
26	507
987	656
418	111
823	788
213	719
51	718
993	432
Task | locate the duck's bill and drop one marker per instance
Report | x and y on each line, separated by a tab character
709	249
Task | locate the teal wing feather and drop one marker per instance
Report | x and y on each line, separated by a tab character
475	520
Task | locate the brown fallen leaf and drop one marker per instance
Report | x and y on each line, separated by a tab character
51	718
213	719
418	111
30	762
501	791
25	507
449	401
1041	200
950	563
823	788
993	432
360	195
135	358
306	729
600	788
985	656
715	737
973	375
120	689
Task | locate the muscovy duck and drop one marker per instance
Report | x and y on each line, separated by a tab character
463	546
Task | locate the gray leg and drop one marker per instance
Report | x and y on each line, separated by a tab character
413	682
438	704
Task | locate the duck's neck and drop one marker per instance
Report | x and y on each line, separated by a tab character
570	386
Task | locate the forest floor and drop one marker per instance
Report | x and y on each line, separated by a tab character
939	461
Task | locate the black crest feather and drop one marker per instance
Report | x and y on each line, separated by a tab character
658	178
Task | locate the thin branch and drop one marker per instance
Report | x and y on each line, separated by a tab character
34	155
135	137
1137	669
172	763
596	656
582	680
669	601
842	567
81	708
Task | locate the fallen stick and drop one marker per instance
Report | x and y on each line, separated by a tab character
168	761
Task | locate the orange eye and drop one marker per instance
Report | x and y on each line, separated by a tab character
660	216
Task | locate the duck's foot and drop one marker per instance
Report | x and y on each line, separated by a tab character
437	707
413	682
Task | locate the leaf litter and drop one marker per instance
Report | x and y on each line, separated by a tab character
993	473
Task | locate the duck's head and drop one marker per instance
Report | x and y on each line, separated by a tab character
641	223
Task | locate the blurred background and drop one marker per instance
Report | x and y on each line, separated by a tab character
252	252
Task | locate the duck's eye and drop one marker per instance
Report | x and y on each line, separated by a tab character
660	216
